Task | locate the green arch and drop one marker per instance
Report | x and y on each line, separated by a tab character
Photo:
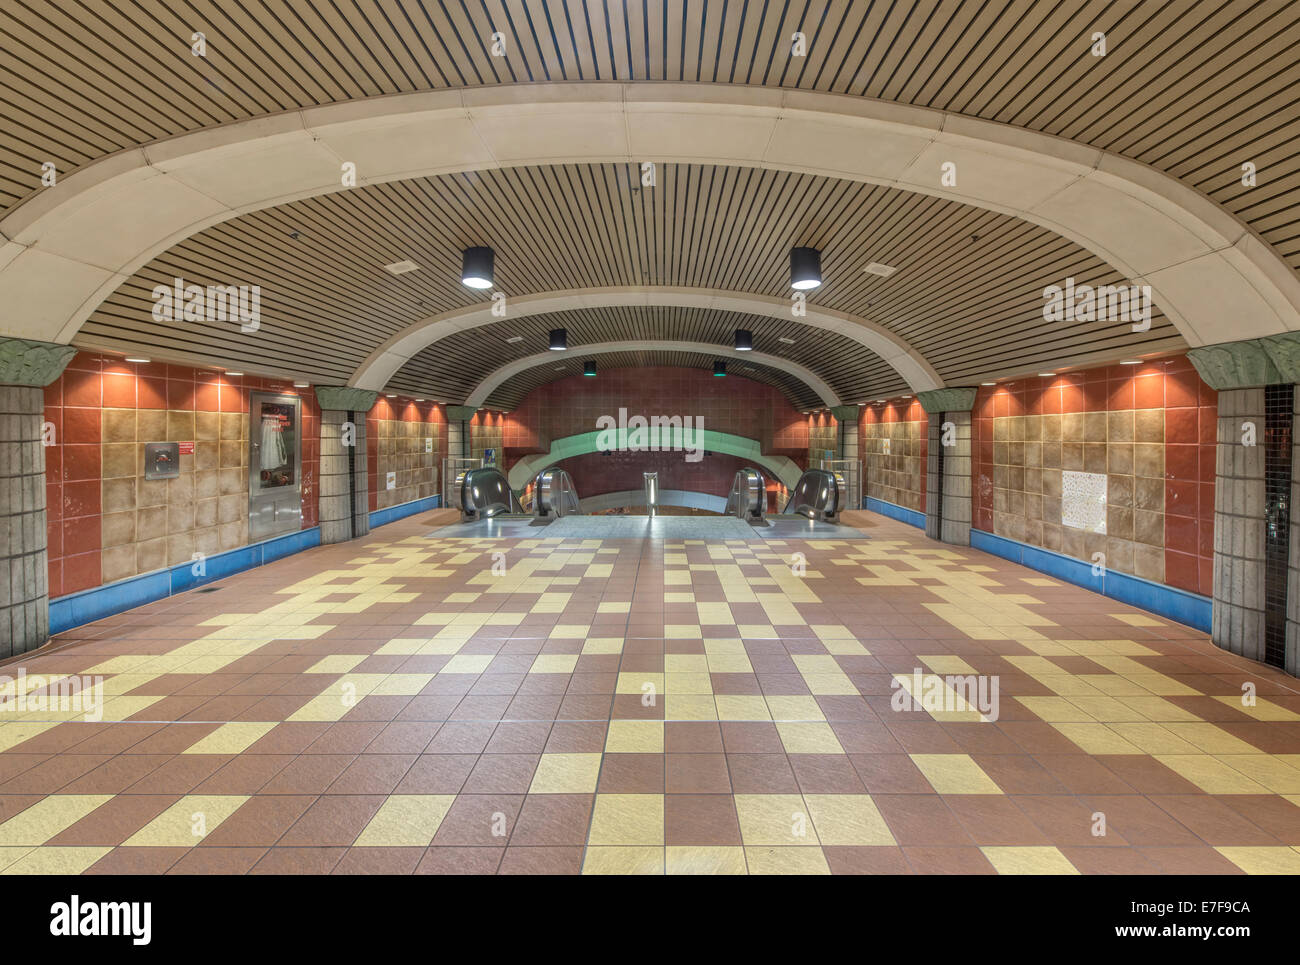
670	437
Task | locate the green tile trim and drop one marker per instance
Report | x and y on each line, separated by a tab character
24	362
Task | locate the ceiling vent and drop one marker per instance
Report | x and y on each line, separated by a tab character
401	267
876	268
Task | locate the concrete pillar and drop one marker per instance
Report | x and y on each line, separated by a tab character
1239	372
1238	621
846	446
25	369
948	511
459	441
344	509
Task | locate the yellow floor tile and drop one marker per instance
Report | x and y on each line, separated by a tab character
627	819
233	738
609	860
636	737
187	822
566	774
810	737
774	819
847	819
564	663
55	861
704	860
1263	860
1029	861
1210	774
407	821
47	817
954	774
786	861
336	663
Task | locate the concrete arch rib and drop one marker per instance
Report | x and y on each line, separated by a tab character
480	393
66	248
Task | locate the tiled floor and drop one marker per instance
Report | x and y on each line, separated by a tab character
407	704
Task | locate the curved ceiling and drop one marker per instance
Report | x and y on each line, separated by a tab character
1193	90
511	393
966	293
466	359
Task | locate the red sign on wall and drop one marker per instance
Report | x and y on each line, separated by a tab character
187	448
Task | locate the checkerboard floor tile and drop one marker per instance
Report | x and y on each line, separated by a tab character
618	706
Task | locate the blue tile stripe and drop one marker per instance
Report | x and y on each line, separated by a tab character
78	609
901	513
1178	605
390	513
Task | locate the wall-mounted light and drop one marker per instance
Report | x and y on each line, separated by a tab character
142	361
719	368
476	268
559	340
805	268
589	369
744	340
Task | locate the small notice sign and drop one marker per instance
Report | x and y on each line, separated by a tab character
187	448
391	480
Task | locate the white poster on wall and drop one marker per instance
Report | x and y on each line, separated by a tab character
1083	501
428	444
392	480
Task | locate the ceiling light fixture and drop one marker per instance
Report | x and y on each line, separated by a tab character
876	268
1046	375
988	383
1131	362
401	267
236	375
476	267
785	341
559	340
301	385
589	369
515	338
744	340
719	368
142	361
805	268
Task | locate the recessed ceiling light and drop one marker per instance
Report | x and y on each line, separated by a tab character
744	340
419	400
876	268
401	267
392	397
988	383
559	340
301	385
515	338
235	374
861	403
131	358
1045	375
1131	362
785	341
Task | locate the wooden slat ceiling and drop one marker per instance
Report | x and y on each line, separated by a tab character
1193	87
967	292
461	361
511	394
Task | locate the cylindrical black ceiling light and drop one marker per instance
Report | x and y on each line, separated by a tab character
805	268
559	340
476	268
719	368
589	369
744	340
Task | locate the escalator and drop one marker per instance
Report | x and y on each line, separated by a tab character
817	495
554	495
485	493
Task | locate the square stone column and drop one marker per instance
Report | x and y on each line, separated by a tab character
344	509
1238	621
948	511
25	369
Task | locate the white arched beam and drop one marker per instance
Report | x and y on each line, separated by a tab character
480	393
382	364
64	249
